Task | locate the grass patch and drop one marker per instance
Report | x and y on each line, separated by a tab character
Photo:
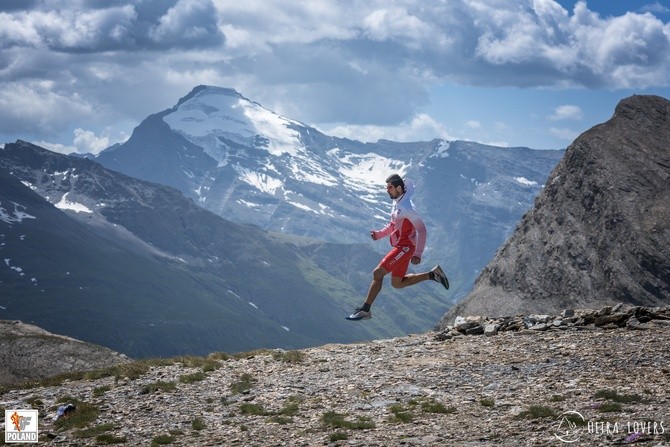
100	391
487	402
557	398
620	398
337	420
107	438
34	402
253	353
163	440
338	436
158	386
253	409
243	385
537	412
94	431
575	419
281	420
610	407
198	424
289	356
192	378
83	415
400	414
432	406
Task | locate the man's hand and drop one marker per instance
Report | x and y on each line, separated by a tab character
415	260
372	235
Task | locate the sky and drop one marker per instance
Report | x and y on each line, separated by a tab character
79	76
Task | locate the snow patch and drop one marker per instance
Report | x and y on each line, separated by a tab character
367	171
525	181
442	149
65	204
15	216
211	117
259	180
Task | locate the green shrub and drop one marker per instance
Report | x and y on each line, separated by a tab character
620	398
537	412
338	436
156	386
337	420
163	440
253	409
198	424
192	378
244	384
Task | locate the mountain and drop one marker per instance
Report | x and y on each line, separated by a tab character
598	233
250	165
139	268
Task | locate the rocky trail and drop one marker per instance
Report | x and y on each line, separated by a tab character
575	383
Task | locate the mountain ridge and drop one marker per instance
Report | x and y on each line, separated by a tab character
105	249
598	232
250	165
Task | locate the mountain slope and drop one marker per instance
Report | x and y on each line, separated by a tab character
139	268
249	165
598	233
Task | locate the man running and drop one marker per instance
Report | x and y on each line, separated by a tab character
408	239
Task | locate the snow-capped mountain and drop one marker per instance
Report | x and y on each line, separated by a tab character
138	267
250	165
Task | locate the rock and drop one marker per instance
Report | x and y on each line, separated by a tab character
491	329
475	330
566	313
598	230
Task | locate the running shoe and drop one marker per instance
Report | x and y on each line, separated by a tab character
440	276
360	314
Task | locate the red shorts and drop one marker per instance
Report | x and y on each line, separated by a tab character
397	260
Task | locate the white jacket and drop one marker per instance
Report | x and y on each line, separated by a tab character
403	209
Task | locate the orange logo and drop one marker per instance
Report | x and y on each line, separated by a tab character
16	420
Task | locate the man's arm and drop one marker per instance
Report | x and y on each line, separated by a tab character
378	234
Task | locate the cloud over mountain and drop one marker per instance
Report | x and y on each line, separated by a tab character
372	64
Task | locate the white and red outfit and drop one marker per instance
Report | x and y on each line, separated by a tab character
407	233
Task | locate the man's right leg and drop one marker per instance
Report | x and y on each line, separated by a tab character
376	284
363	312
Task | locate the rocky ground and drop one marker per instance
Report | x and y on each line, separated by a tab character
565	384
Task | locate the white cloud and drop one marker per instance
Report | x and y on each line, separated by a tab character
655	8
84	141
369	64
38	108
567	112
421	127
473	124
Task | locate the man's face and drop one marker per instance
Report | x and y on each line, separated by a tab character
394	191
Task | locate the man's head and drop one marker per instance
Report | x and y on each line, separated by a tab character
395	186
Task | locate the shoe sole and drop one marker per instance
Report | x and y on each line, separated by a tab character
443	277
357	318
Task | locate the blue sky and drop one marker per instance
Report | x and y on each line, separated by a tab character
78	76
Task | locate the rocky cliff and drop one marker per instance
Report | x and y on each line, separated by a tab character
598	232
28	353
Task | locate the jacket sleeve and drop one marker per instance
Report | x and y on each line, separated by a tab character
388	229
421	232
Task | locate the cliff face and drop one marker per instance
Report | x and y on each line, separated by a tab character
29	353
599	232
